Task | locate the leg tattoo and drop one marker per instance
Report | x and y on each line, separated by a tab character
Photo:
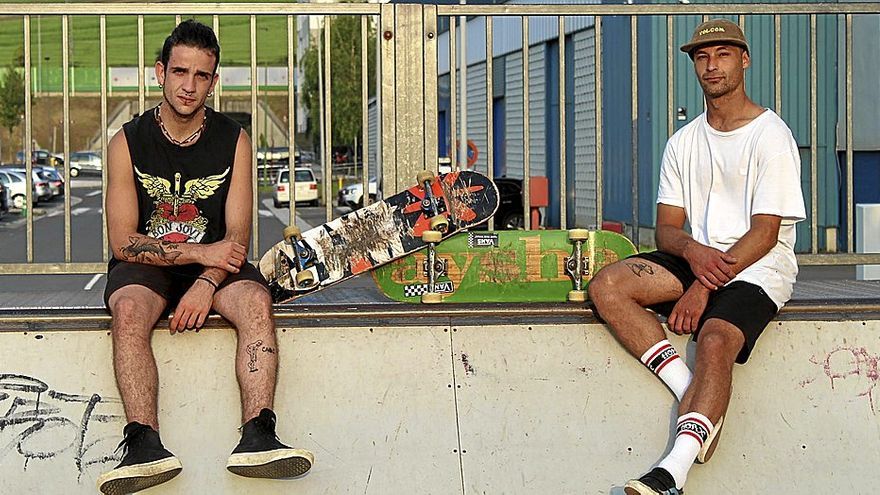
252	352
639	268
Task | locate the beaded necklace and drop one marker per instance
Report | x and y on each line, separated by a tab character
168	136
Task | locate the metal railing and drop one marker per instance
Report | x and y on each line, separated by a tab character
407	80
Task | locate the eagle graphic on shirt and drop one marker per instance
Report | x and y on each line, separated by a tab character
175	217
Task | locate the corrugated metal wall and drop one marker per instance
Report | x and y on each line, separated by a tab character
583	199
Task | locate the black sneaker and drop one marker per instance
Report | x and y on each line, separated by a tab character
259	454
656	482
145	463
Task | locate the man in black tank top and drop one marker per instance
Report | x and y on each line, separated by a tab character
179	207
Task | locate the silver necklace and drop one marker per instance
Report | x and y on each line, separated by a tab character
168	136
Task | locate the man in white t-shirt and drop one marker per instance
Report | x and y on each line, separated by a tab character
733	175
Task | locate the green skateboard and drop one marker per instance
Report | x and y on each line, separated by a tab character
505	266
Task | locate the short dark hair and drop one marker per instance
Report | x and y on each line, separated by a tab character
194	34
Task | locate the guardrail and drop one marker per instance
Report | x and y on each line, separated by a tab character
407	87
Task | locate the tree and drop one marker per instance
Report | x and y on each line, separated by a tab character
345	76
11	96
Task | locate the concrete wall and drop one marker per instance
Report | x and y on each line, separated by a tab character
449	407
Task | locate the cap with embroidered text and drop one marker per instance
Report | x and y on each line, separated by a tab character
716	32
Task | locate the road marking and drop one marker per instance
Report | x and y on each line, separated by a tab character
93	193
79	211
93	281
266	213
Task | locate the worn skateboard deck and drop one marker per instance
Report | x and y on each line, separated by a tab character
377	234
502	266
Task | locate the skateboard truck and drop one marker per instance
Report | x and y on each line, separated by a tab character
440	267
304	278
438	222
431	238
577	265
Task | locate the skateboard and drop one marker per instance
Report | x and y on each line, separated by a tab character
435	208
506	266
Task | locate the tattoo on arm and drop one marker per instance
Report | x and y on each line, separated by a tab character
639	268
140	249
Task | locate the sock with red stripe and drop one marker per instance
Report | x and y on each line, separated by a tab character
663	360
692	431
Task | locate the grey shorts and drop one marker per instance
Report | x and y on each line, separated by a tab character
170	282
742	304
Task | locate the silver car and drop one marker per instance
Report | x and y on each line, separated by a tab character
85	161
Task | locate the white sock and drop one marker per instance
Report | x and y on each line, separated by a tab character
663	360
692	431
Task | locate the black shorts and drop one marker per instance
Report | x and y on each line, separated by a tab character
743	304
170	282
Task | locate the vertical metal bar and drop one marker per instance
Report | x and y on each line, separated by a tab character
814	145
28	140
429	90
291	123
177	20
562	129
527	196
670	78
141	69
850	221
777	64
65	91
634	54
328	126
490	104
322	116
386	77
600	148
255	136
102	34
217	87
463	93
365	113
410	79
741	21
453	100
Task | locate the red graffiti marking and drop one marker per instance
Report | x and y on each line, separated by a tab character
844	362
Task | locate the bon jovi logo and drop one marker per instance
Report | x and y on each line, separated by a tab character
175	217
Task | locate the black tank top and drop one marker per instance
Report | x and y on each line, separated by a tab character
181	190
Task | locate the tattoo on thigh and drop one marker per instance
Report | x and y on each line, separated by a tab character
639	268
252	352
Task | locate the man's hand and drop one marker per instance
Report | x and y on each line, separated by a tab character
685	316
226	255
193	308
712	267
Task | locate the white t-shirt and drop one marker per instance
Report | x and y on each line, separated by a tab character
721	179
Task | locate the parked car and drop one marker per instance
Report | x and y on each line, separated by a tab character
41	157
353	194
4	199
42	187
305	183
56	182
85	161
16	185
510	209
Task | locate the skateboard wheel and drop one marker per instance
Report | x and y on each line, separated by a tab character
291	232
577	296
305	279
439	223
424	175
578	234
431	298
431	236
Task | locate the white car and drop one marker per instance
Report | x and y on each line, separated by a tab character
353	194
305	183
16	188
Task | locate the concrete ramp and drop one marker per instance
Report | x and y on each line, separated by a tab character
449	406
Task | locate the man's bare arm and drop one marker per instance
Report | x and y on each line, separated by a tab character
711	266
122	220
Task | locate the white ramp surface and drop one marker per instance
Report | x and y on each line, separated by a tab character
454	407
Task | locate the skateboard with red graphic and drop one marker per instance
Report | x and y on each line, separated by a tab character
433	209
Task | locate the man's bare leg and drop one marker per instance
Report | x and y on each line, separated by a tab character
135	310
259	454
248	306
622	290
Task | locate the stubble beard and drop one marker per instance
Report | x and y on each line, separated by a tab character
174	110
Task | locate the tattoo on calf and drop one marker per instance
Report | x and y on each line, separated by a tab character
639	268
252	352
141	248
